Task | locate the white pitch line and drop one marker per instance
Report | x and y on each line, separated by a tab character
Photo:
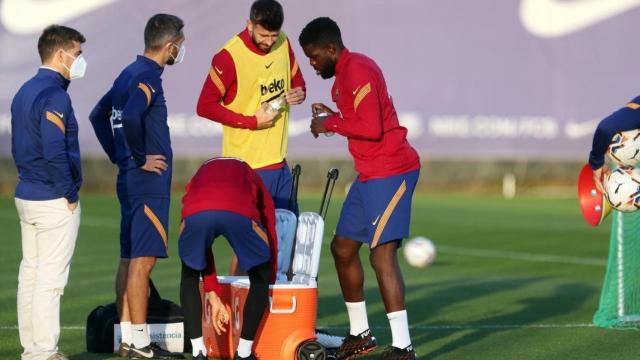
515	255
419	327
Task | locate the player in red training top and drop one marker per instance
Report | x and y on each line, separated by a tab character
377	209
226	197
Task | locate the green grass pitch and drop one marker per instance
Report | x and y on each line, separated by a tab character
515	279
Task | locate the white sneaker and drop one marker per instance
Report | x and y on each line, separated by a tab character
152	351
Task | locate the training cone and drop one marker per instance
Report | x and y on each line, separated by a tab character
593	204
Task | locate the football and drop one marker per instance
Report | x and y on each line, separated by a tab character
419	252
622	187
624	149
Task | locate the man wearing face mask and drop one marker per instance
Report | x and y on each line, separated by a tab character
255	67
130	121
44	144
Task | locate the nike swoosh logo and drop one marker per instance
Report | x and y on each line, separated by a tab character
218	70
576	130
60	115
356	90
555	18
375	221
148	355
31	16
268	66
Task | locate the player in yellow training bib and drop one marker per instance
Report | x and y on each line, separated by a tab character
251	82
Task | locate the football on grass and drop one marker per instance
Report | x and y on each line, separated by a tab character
419	251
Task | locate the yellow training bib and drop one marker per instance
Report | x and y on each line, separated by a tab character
260	78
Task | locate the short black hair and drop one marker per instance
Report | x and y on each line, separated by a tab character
56	37
321	31
160	29
268	14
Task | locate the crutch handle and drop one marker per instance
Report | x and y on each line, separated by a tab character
332	176
293	194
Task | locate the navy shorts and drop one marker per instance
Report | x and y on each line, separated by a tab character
378	210
125	215
247	238
149	226
279	183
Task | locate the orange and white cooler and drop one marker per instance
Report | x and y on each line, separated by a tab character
290	321
291	317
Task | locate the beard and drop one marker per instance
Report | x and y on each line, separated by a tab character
260	46
328	70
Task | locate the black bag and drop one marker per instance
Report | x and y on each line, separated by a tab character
101	321
99	331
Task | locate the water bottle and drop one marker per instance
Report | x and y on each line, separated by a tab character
276	105
324	115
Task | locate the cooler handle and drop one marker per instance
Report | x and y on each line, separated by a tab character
290	310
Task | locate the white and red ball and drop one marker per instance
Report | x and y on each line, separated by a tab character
622	188
419	251
624	149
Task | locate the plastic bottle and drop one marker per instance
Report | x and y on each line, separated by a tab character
276	104
324	115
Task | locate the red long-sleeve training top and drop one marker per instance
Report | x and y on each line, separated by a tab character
369	120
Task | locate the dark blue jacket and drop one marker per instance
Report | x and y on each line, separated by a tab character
130	121
44	139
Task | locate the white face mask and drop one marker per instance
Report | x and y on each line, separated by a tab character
78	67
178	59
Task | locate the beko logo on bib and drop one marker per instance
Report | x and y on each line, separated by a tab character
275	86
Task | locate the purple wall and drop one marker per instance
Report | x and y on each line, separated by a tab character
470	79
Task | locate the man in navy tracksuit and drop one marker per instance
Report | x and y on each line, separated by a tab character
623	119
44	145
130	121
